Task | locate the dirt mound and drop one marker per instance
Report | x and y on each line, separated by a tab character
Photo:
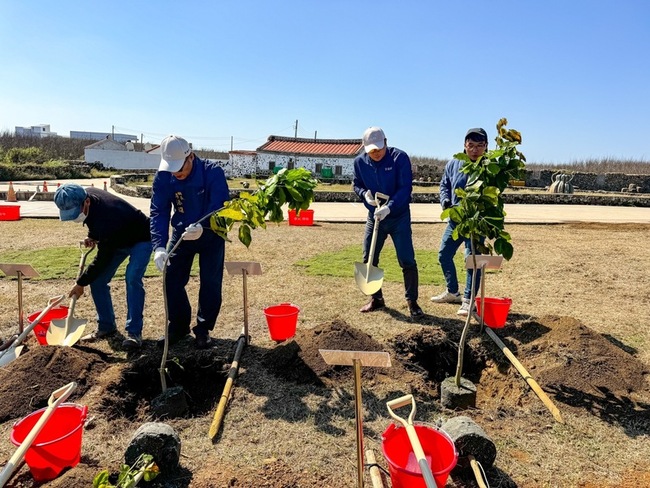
28	382
300	361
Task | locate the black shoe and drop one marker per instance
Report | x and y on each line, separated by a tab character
173	339
204	342
132	342
372	305
98	334
414	309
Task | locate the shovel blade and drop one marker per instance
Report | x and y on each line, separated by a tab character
58	336
10	355
369	278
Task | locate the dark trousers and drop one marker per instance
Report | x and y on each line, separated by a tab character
211	251
399	230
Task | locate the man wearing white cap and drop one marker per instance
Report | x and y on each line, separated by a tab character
387	170
192	187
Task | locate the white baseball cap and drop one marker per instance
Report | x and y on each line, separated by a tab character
373	138
173	151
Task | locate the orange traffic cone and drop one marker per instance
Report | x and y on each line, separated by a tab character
45	186
11	194
105	189
58	185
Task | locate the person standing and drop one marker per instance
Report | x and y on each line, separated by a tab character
475	146
193	188
120	231
387	170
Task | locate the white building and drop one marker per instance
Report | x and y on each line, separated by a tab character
42	130
324	157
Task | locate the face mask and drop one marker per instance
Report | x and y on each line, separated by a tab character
80	218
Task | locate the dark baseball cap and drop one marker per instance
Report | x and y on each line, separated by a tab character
477	131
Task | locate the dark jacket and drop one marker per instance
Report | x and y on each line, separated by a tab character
391	176
114	224
204	190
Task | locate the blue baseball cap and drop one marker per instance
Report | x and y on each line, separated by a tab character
69	198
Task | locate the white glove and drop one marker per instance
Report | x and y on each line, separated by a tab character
370	200
382	212
193	232
159	257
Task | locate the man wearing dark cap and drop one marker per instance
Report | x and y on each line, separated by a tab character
387	170
453	178
120	231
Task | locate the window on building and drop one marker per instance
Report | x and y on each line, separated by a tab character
291	164
319	168
338	170
271	165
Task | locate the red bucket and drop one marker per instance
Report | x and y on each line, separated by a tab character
40	330
282	320
496	311
305	217
58	445
403	467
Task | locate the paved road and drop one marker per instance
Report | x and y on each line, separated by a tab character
355	212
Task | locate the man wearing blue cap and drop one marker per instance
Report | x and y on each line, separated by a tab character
120	231
193	188
452	179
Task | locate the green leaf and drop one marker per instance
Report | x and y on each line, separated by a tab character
231	213
101	480
245	235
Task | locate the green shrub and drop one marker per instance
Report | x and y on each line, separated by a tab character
21	155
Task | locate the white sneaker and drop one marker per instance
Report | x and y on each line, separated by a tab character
464	308
447	297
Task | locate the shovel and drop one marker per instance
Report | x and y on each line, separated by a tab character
14	350
369	278
66	332
425	469
56	398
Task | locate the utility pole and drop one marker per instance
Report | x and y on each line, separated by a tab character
113	132
295	136
315	134
231	142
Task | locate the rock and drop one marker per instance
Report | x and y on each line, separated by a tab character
160	441
470	439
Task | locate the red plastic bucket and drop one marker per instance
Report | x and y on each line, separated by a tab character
305	217
282	320
496	311
40	330
403	466
9	212
58	445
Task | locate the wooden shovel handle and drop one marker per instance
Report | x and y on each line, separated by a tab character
56	398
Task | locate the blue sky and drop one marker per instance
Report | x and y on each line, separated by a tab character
571	75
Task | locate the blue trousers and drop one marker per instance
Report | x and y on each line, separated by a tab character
399	230
448	248
211	250
100	289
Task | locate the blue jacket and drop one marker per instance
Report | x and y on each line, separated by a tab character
452	178
392	176
204	190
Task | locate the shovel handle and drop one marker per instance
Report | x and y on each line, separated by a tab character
56	398
383	196
425	469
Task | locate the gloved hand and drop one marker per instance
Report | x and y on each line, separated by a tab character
382	212
446	204
193	232
370	200
159	257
